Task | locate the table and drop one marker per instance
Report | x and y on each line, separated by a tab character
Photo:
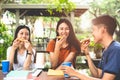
43	76
1	75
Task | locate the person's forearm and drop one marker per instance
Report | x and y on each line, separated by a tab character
92	67
70	58
28	61
11	57
54	58
81	76
84	77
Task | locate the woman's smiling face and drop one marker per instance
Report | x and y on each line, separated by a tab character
63	30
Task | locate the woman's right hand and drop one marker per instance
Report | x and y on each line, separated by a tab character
60	41
16	43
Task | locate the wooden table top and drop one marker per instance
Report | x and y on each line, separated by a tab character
43	76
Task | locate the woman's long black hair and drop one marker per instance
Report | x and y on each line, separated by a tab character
15	36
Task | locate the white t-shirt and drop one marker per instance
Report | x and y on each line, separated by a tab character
21	59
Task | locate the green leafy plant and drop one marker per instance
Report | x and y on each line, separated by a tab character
97	48
5	40
61	6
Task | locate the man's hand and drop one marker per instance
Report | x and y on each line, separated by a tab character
84	46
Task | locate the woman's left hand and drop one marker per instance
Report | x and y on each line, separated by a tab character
28	45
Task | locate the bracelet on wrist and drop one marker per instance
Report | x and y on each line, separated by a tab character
29	53
82	51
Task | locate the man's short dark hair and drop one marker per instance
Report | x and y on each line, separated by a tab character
108	21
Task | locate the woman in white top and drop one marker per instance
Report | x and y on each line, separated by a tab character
21	53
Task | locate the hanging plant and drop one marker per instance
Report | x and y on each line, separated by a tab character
61	6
